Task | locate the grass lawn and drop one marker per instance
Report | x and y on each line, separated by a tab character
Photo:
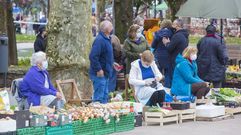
23	38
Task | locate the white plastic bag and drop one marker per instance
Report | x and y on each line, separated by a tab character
5	99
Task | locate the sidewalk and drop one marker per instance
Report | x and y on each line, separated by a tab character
224	127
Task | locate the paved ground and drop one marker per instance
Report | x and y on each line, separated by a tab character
21	46
224	127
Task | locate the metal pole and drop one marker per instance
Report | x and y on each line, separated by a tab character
221	27
155	10
5	80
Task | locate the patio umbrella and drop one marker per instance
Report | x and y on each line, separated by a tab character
218	9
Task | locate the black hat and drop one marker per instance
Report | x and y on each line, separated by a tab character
211	29
41	28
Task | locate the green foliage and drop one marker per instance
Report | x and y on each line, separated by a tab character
22	38
229	92
24	62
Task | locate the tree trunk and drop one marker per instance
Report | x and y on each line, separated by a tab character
123	16
69	42
3	17
100	9
174	6
7	28
12	47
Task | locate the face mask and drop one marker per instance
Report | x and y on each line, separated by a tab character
141	28
45	65
138	35
193	57
144	65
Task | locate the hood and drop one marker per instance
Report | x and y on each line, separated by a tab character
180	58
165	32
142	39
184	32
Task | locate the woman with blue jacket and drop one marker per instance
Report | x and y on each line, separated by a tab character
185	78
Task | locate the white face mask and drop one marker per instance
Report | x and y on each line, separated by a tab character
45	65
138	35
193	56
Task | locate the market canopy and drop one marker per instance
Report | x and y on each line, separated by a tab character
162	6
218	9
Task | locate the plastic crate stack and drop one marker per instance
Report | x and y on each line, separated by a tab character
92	127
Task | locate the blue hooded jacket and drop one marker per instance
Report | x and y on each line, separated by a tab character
185	74
32	86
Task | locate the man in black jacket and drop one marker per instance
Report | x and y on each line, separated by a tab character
178	43
40	42
212	58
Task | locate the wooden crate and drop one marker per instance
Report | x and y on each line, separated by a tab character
189	114
232	111
159	117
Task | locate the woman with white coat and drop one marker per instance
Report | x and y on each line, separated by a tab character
145	77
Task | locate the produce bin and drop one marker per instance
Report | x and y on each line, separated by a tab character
126	123
8	133
103	128
59	130
80	128
31	131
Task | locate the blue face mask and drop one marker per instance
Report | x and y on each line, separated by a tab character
45	65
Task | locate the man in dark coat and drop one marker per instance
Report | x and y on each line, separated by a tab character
212	58
177	44
40	42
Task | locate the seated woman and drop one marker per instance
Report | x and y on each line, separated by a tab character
185	78
145	76
36	85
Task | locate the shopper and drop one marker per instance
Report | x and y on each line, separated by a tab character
185	78
40	42
101	62
212	58
160	50
145	77
177	44
134	45
117	52
36	85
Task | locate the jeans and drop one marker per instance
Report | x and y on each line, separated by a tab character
100	85
112	81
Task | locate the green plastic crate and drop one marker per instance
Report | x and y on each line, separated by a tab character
102	128
126	123
31	131
80	128
59	130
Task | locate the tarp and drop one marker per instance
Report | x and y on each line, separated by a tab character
218	9
162	6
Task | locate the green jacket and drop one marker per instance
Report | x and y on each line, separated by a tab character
132	51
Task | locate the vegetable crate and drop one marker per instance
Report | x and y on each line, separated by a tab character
31	131
126	123
81	128
60	130
159	117
103	128
188	114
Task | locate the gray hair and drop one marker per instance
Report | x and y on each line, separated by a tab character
37	58
180	23
105	25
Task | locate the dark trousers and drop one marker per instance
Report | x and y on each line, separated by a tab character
158	97
200	90
217	84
